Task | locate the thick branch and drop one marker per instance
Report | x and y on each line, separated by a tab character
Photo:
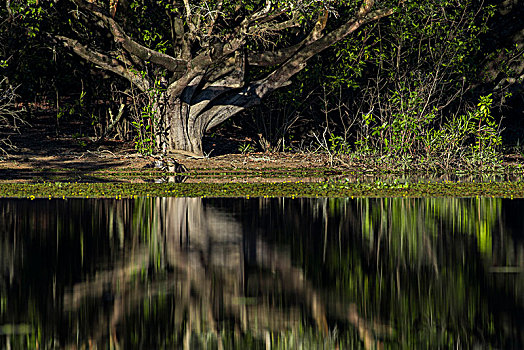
298	61
104	62
220	69
203	61
170	63
215	17
262	12
180	40
272	58
272	27
232	79
229	106
9	11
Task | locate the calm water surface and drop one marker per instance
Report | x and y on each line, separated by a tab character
262	273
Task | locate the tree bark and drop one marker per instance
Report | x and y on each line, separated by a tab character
181	129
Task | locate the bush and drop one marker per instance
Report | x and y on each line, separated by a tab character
471	140
9	113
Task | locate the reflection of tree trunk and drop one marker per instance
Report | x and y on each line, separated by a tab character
295	282
368	331
107	280
113	284
214	246
205	250
116	317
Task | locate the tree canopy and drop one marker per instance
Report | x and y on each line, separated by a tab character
203	62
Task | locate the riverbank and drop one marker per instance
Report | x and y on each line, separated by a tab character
45	167
119	163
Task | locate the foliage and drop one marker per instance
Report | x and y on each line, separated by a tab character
146	122
404	103
145	138
471	139
246	147
486	132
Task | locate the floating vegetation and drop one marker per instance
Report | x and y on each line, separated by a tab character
332	188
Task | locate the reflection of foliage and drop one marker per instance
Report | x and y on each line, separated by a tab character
406	236
169	272
422	264
431	217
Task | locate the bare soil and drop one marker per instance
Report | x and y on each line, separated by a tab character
39	153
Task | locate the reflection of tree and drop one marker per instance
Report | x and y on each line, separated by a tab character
51	244
233	273
205	250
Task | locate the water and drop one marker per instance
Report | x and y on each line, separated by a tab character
262	273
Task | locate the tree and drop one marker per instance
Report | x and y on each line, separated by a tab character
202	62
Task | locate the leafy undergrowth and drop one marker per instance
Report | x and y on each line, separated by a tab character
284	189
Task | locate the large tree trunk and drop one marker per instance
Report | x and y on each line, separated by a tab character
180	128
182	125
184	131
183	120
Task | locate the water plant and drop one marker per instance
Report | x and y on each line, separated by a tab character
333	188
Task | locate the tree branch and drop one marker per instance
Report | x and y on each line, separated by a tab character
297	61
9	11
170	63
228	106
104	62
202	62
261	13
275	27
233	78
271	58
215	17
293	58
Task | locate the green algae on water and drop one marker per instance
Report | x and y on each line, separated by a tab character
281	189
